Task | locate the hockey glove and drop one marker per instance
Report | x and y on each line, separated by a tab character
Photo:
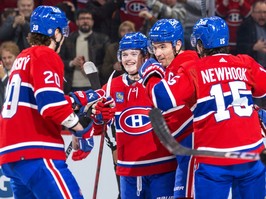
86	145
86	98
80	133
151	68
79	155
103	111
85	121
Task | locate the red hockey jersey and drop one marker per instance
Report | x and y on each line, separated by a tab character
35	107
219	91
179	119
139	150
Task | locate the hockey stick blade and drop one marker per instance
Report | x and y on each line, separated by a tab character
92	73
163	133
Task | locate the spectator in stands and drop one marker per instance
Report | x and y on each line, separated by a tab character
102	11
160	9
130	9
8	53
52	2
81	3
16	28
251	37
194	12
6	4
233	12
81	46
6	13
110	61
69	9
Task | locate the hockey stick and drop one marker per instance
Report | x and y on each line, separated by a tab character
203	8
69	149
99	162
92	74
162	131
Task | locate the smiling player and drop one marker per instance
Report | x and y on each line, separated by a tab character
146	168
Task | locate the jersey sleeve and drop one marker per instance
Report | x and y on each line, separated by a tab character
47	75
166	94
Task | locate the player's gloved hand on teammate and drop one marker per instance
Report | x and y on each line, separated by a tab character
151	68
103	111
102	114
85	121
86	98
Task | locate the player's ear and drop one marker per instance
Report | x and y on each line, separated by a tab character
58	36
178	46
199	48
57	40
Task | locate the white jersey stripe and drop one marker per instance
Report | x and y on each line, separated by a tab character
58	179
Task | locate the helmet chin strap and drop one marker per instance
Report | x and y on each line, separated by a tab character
57	43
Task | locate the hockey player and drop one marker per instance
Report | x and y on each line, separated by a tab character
31	147
219	88
146	168
166	42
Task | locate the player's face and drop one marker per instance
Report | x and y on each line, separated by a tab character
8	59
164	53
132	60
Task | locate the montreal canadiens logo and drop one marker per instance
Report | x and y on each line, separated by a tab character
135	121
134	7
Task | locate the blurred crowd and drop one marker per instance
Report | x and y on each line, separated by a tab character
96	27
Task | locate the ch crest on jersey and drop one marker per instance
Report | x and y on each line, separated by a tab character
135	120
119	97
